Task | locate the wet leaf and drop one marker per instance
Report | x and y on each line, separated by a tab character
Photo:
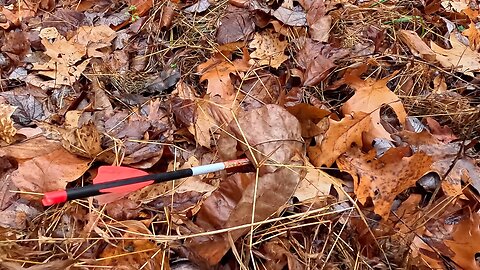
339	138
269	49
384	178
370	95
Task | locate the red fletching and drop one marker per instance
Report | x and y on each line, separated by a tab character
114	173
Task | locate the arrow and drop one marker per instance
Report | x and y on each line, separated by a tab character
108	181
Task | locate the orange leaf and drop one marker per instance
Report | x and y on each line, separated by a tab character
384	178
217	71
339	138
370	95
473	36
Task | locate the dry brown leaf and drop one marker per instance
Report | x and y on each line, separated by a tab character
66	65
80	139
273	133
7	197
211	114
370	95
52	265
7	130
443	156
455	5
339	138
416	45
217	71
134	251
237	24
44	165
460	57
473	36
384	178
309	116
317	19
316	183
278	254
442	133
64	56
269	49
317	59
271	130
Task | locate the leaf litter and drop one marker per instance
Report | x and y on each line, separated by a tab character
360	121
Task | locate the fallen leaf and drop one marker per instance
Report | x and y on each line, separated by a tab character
43	165
455	5
292	16
199	6
398	172
28	107
309	116
443	155
231	205
460	57
465	242
217	71
269	49
211	115
84	139
339	138
416	45
272	132
7	197
473	36
370	95
316	183
317	19
133	250
16	45
137	9
442	133
278	254
7	130
317	59
94	38
64	56
237	24
263	88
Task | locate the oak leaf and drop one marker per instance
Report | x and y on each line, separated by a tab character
339	138
473	36
7	130
269	49
384	178
370	95
443	156
217	71
460	57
